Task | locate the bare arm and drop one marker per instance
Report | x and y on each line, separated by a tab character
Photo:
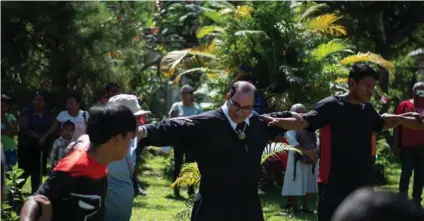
52	129
37	208
407	120
291	123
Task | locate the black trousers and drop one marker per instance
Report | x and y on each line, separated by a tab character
29	160
179	160
412	160
331	196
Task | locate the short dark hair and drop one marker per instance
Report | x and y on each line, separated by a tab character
111	85
74	96
110	120
67	123
360	70
244	86
367	205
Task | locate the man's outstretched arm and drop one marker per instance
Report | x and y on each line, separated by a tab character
410	120
170	132
296	122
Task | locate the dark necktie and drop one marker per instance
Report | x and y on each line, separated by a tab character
240	127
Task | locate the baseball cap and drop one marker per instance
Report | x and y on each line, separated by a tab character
186	89
129	101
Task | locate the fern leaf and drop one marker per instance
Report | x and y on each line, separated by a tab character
370	57
325	49
312	9
206	30
325	24
273	148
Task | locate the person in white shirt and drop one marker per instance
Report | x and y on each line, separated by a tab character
72	113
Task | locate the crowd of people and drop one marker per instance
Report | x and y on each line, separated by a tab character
94	159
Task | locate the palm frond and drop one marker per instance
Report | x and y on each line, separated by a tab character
245	33
206	30
175	58
210	73
369	57
273	148
325	49
325	24
171	60
312	8
215	16
189	176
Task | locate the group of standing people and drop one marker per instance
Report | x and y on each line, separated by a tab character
227	144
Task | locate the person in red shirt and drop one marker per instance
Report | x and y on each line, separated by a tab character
409	144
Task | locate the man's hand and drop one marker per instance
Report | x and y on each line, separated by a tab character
297	116
270	121
46	208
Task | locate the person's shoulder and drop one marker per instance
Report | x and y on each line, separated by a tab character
78	163
208	115
332	99
177	104
406	103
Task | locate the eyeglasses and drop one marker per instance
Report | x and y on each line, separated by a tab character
238	107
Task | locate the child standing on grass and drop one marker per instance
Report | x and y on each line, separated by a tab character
59	146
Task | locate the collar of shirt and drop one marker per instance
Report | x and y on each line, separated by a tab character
232	123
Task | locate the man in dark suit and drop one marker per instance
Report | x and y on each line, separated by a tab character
227	144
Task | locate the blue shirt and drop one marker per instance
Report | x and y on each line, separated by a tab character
184	111
120	194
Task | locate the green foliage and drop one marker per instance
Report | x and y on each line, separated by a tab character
72	47
11	207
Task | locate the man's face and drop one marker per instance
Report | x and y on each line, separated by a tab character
364	88
112	91
187	97
68	132
122	144
240	106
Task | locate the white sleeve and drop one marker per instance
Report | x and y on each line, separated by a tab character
62	116
87	115
291	138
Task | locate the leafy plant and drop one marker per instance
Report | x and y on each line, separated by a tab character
15	200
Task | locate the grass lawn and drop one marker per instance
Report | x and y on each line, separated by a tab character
160	205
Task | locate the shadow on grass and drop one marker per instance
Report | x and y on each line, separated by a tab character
178	198
273	202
